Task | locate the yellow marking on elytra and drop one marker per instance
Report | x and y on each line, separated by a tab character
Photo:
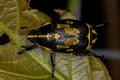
68	50
93	31
88	36
71	41
62	25
62	46
94	40
73	31
69	22
68	29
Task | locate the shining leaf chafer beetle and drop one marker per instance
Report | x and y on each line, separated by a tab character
66	36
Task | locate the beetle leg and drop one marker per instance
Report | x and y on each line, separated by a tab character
90	53
93	54
52	58
25	28
60	15
99	25
79	54
27	48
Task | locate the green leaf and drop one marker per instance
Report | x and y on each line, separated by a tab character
81	67
23	4
9	14
33	18
36	64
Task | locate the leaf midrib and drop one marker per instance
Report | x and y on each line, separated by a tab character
70	66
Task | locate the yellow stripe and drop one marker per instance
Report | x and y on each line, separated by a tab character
39	36
45	36
88	36
32	36
42	36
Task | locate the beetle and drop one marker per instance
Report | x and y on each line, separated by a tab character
66	36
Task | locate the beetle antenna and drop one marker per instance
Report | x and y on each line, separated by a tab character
99	25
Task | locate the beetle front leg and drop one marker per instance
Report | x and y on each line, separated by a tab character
27	48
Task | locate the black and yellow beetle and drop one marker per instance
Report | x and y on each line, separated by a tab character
66	36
